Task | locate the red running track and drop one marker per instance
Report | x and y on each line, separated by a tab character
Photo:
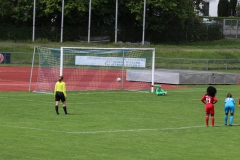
18	79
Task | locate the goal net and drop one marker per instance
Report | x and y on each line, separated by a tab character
96	68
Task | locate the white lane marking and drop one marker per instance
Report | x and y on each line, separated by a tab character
111	131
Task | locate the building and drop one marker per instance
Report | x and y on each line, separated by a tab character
211	8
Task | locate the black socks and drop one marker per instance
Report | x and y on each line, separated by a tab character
56	108
65	109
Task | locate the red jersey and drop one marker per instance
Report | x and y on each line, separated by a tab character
209	103
209	99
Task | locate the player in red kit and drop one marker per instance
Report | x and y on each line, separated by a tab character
209	100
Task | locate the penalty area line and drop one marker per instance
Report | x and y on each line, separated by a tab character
110	131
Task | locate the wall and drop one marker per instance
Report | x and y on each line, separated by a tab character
213	7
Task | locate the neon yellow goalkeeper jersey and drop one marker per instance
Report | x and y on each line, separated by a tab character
60	87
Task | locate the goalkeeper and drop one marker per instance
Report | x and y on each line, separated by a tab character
159	90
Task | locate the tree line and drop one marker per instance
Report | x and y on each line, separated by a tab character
172	21
228	8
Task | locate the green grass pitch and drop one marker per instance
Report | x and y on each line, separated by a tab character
117	125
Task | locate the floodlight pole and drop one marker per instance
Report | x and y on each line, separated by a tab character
89	20
62	21
144	15
116	21
34	12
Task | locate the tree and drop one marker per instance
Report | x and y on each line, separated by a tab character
160	14
233	4
16	11
238	10
223	8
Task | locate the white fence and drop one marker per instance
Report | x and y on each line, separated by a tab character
231	28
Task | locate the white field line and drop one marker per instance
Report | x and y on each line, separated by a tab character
123	92
144	92
110	131
99	102
102	102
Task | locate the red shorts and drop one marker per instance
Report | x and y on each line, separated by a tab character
209	109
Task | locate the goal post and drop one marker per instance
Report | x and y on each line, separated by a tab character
89	68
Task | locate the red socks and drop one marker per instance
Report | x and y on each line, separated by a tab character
207	120
212	121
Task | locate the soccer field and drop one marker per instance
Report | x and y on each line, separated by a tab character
117	125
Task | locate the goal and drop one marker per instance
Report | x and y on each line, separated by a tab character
88	68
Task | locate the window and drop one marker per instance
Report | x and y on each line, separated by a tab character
206	9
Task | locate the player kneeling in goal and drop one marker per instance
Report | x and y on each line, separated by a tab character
158	90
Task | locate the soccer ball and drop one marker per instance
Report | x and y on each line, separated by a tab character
118	79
